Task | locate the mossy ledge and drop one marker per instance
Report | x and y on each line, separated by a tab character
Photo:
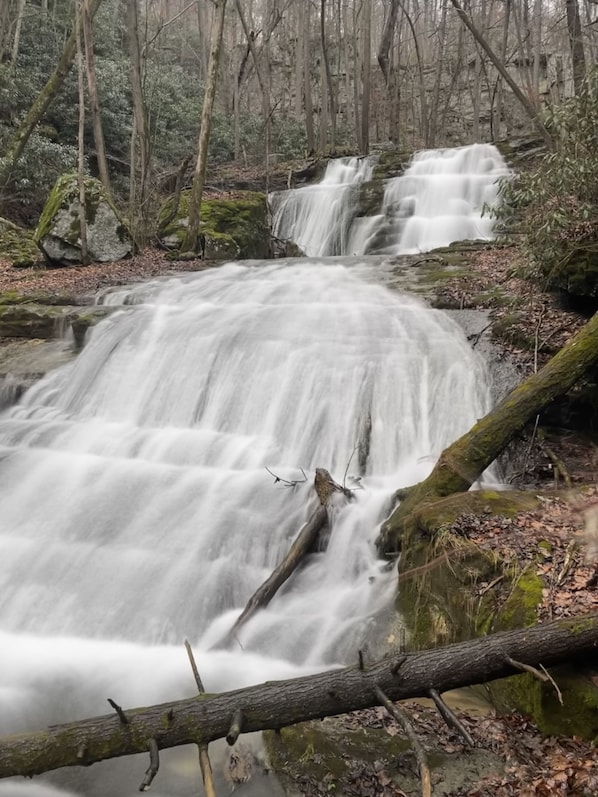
441	600
235	227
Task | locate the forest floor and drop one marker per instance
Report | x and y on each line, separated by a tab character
531	326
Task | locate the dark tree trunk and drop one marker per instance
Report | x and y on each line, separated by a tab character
204	718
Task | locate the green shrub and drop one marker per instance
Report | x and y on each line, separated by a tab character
554	206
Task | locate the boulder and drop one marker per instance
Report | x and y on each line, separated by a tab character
58	232
17	245
234	227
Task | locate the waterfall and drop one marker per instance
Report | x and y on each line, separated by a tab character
440	198
137	510
318	217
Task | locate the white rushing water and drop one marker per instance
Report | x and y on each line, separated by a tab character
137	512
441	198
318	217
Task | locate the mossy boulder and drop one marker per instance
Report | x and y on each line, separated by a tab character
18	245
577	271
58	232
234	227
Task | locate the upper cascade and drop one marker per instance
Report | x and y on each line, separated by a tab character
318	217
441	198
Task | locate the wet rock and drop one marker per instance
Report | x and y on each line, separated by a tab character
58	233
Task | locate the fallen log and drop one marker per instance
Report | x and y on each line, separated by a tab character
264	594
325	487
468	457
201	719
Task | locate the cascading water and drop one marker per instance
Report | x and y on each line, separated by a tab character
318	217
439	199
136	510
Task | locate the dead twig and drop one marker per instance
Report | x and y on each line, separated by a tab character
152	770
204	758
287	482
451	719
405	723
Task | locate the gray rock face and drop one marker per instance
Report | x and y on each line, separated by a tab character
59	235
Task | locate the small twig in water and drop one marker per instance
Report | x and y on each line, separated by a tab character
287	482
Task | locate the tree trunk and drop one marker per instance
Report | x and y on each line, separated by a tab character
42	102
330	92
307	96
366	67
576	43
528	106
81	136
466	459
94	104
199	720
191	243
139	175
17	37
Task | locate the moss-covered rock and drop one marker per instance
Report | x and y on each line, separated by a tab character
336	753
446	594
17	245
577	272
30	320
234	227
58	232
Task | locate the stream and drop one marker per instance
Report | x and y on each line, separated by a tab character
140	509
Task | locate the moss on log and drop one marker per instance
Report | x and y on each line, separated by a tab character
466	459
203	718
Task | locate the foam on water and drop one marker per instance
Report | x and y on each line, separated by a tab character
136	508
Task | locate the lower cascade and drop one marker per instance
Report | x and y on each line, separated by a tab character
443	196
137	511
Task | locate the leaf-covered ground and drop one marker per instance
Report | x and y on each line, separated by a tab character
510	759
84	280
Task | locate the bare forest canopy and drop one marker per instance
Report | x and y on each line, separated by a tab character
294	77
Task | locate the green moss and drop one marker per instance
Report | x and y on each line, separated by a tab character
18	245
65	195
576	716
236	227
521	607
327	750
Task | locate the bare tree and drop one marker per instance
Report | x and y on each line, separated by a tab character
94	104
81	135
192	241
576	43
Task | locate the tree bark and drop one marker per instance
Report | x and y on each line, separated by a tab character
81	136
139	174
94	104
576	43
366	71
465	460
201	719
191	242
302	544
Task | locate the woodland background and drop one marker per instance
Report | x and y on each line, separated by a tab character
296	77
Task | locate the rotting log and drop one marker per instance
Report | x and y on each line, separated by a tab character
465	460
326	488
274	705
